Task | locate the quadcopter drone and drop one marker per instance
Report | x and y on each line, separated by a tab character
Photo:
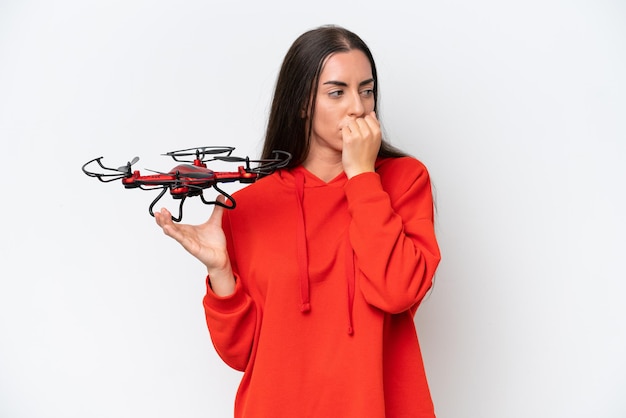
192	176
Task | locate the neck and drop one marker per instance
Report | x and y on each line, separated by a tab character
325	170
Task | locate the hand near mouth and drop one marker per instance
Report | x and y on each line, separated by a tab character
361	142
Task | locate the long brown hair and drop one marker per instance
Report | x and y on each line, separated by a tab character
298	81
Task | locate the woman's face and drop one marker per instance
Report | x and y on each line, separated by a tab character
345	92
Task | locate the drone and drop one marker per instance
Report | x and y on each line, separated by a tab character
192	176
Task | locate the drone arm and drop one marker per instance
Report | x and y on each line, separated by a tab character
109	177
242	175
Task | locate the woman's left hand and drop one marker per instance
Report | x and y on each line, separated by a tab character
361	143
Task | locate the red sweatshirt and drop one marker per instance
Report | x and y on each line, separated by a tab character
328	278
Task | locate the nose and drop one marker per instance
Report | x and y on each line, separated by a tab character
356	108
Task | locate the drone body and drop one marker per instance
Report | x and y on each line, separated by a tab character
193	176
188	180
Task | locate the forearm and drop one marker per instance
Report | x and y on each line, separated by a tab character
394	242
232	324
222	280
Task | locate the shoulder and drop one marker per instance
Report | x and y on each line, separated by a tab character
259	197
401	172
259	187
411	164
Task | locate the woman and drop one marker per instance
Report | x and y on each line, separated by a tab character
314	279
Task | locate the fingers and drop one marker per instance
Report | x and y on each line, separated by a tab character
361	143
370	125
161	216
218	212
366	128
206	241
164	220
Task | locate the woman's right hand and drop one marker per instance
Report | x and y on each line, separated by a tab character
207	243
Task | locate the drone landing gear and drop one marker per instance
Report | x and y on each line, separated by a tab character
229	199
180	207
230	202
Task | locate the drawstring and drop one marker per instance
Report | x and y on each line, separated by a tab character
303	258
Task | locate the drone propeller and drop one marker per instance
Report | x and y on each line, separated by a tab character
126	168
157	172
198	153
189	174
262	161
233	159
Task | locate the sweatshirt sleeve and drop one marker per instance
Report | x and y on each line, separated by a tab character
232	319
392	234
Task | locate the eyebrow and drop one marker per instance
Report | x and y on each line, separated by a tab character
343	84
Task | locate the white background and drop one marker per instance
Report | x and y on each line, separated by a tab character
517	108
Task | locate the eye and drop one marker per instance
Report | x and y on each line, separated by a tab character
367	92
336	93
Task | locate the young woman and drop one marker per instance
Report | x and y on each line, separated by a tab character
314	279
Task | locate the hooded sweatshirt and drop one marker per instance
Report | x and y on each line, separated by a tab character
328	279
